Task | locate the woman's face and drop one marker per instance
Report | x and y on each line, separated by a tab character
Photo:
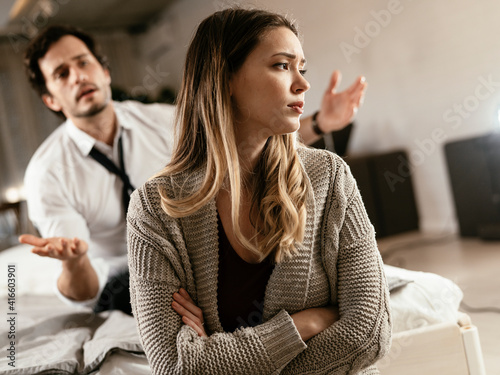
268	90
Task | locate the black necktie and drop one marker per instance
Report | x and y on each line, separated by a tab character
120	172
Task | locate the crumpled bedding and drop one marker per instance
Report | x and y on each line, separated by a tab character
68	343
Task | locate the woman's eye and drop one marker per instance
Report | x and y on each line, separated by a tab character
283	66
303	71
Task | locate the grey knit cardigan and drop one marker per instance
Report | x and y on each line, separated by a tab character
337	263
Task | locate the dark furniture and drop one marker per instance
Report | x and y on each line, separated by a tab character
387	191
474	172
384	181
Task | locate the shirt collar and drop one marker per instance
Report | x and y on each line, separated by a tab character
122	117
84	142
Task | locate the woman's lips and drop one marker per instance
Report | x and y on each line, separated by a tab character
297	107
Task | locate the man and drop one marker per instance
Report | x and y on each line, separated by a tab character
79	180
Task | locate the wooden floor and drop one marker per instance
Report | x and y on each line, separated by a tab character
474	265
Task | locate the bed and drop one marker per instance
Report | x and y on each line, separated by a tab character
430	335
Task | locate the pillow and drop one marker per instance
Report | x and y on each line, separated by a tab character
396	282
429	299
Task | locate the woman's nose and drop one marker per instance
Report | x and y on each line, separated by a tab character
301	84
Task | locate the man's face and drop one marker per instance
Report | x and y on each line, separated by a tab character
78	85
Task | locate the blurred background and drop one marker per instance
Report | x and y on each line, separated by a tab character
432	68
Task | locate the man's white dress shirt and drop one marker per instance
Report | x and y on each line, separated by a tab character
69	194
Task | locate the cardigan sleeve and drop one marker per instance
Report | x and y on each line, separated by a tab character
362	335
156	272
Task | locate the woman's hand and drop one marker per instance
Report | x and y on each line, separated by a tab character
190	313
312	321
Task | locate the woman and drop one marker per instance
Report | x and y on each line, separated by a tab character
269	238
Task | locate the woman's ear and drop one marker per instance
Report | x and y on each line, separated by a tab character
51	103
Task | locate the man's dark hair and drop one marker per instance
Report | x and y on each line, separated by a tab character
39	46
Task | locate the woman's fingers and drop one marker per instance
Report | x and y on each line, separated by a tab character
198	328
193	311
182	311
189	318
191	314
185	294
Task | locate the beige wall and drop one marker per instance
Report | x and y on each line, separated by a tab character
427	64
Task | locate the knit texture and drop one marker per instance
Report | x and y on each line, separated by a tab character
337	263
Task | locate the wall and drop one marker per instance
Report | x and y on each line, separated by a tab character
433	70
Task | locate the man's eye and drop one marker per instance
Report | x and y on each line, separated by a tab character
62	74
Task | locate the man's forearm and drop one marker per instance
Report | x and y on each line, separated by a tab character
78	280
306	131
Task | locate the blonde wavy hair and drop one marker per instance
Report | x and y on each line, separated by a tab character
206	138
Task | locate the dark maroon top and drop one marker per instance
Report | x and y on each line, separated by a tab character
241	287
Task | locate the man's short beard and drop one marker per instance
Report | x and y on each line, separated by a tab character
92	111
